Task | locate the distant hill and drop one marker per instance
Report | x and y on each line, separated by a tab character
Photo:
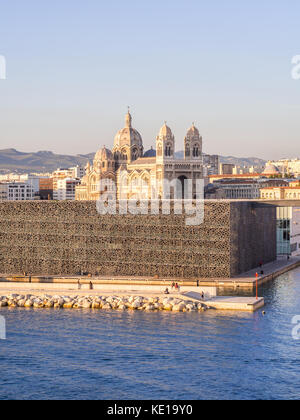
251	161
12	160
238	161
43	161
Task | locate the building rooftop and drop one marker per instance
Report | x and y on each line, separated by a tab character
236	176
281	188
144	160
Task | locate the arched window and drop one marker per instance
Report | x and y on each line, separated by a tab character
168	150
196	150
134	154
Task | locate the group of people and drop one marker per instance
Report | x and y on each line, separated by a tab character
91	286
175	286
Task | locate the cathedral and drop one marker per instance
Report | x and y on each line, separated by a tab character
130	173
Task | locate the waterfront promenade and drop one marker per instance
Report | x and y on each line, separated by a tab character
155	287
245	280
194	294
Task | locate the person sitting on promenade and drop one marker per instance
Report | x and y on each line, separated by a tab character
166	292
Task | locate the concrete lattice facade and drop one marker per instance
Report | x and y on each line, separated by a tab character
65	238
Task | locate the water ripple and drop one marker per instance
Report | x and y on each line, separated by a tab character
135	355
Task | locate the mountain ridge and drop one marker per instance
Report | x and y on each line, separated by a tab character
12	160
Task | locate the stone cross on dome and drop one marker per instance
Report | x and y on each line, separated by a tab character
128	118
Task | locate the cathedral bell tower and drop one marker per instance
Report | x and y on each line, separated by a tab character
165	144
193	144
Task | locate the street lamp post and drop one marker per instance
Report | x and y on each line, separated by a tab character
256	275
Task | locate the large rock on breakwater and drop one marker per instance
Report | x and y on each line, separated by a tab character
102	302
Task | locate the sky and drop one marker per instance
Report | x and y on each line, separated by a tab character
74	66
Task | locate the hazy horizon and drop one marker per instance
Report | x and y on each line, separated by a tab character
94	151
74	67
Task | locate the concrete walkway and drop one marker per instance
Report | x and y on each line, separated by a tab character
248	280
271	270
245	280
99	289
236	303
232	303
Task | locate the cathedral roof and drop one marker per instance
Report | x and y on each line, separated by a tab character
193	131
145	161
165	131
103	154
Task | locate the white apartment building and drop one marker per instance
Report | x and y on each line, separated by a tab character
16	191
242	189
288	231
286	166
65	189
30	179
78	171
74	172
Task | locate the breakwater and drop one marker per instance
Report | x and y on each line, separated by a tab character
121	303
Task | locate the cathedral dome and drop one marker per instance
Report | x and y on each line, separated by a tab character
271	169
150	153
128	136
103	154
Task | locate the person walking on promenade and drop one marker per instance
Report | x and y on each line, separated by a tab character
91	286
79	285
173	285
176	287
202	295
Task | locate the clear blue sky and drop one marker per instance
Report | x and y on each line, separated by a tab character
74	66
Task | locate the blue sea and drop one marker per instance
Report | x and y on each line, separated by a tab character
73	354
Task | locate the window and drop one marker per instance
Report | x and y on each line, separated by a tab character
168	150
196	151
